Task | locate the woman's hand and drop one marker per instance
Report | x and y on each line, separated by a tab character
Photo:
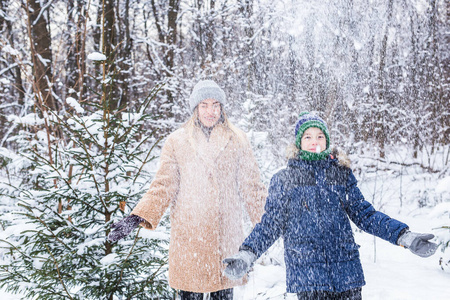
124	227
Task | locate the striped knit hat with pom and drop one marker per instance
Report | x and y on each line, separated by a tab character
308	120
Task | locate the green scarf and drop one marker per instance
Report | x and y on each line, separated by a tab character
306	155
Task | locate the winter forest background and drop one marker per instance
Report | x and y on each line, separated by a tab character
89	89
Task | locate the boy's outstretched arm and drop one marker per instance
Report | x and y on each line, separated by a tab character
364	215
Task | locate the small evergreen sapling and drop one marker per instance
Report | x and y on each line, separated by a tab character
443	234
54	244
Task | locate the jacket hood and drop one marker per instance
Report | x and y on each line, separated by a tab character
336	154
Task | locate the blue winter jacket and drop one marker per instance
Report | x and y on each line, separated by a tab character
309	205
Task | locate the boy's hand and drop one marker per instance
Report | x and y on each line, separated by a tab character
239	264
418	243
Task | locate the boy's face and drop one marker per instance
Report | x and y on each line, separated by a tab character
313	140
209	112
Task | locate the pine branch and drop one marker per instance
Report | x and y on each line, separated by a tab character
59	274
146	158
33	217
126	259
5	283
55	169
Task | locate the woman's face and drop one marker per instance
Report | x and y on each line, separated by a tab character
209	112
313	140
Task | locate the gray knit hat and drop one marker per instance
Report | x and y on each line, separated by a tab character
206	89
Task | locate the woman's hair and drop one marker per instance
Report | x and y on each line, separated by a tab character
193	121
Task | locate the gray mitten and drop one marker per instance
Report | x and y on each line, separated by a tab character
418	243
124	227
239	264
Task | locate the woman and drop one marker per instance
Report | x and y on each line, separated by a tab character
310	204
207	172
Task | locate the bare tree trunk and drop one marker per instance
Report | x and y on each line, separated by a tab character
97	31
246	8
41	53
381	95
210	34
433	76
414	91
6	29
310	76
293	84
109	48
171	39
161	35
124	52
109	31
200	36
168	36
76	36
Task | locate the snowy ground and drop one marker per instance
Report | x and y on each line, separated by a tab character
391	272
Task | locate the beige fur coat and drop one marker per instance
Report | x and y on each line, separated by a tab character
206	184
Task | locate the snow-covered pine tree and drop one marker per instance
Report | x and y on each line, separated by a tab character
79	181
442	212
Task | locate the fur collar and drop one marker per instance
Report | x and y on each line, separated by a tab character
337	153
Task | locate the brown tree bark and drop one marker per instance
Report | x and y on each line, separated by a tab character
168	36
439	104
171	38
41	53
6	29
210	34
76	36
124	52
246	9
380	117
109	46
